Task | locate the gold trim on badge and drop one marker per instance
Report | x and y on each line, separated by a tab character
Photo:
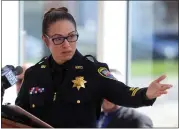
103	71
79	82
100	70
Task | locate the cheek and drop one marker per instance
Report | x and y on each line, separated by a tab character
54	49
51	49
50	46
73	46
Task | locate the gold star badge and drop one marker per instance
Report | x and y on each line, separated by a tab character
79	82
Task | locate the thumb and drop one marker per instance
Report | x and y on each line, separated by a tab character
160	78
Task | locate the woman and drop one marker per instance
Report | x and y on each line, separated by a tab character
66	89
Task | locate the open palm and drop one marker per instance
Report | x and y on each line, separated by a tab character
156	89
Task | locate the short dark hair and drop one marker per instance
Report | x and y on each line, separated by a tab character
56	14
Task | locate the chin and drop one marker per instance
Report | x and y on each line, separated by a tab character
68	57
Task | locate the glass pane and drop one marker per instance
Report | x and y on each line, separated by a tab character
35	49
153	45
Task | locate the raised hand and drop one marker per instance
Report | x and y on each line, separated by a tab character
156	89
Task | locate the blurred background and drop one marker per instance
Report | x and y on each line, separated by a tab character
137	38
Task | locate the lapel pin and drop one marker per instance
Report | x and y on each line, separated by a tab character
43	66
78	67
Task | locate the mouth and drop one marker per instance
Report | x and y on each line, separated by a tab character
67	52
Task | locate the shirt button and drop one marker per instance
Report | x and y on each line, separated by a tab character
33	105
78	101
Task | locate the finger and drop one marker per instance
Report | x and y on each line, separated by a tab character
158	95
165	86
161	92
160	78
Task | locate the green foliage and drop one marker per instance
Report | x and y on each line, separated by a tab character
157	67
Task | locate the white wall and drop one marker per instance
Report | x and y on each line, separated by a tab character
10	37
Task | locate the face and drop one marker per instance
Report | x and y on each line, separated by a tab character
107	106
61	52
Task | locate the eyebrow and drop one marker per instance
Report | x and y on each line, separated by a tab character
63	35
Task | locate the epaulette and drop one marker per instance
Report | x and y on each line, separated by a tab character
42	60
94	60
102	68
91	58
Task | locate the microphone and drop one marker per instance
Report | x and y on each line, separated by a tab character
8	75
18	70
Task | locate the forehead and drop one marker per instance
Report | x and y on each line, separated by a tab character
62	27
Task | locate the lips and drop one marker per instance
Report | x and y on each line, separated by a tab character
67	52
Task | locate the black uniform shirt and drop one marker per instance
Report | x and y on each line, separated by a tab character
72	97
58	73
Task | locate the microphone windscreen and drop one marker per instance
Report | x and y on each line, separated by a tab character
18	70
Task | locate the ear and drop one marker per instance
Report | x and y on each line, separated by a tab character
45	40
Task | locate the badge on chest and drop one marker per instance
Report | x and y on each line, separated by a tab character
79	82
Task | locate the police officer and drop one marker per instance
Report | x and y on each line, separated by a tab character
66	89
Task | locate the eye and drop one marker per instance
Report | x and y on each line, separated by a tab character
58	39
72	37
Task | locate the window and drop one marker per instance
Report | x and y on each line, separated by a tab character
85	13
153	50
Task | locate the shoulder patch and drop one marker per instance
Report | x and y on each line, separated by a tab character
106	73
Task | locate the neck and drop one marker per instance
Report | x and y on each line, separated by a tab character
60	62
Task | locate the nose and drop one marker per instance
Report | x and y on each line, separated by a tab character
66	44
